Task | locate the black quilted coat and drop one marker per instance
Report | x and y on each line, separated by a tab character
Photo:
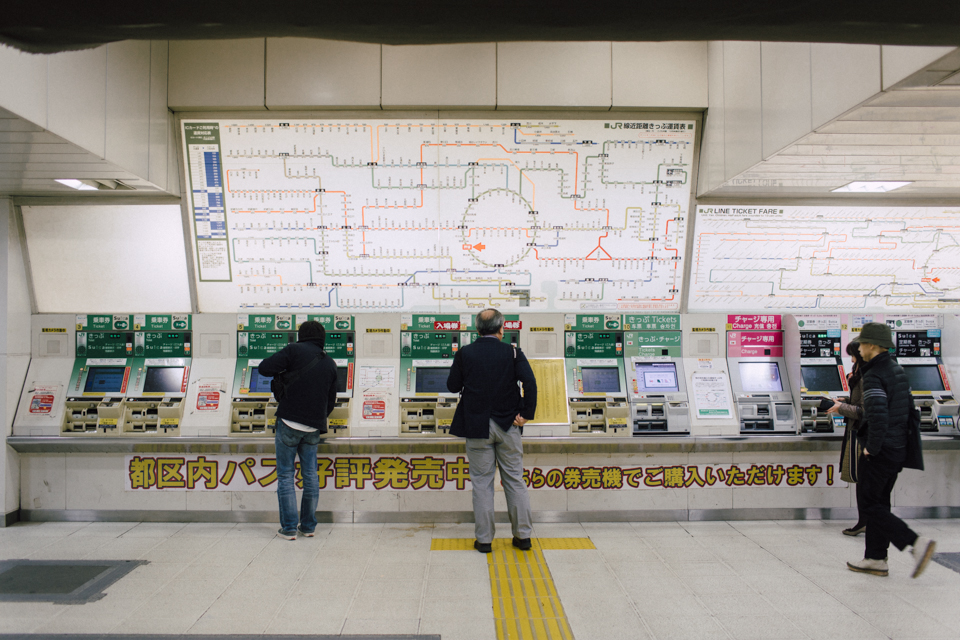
886	405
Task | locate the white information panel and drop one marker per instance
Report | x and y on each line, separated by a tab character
439	215
873	258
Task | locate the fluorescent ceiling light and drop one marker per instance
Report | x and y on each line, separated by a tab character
77	184
870	187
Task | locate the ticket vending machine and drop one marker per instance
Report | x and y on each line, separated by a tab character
162	349
656	385
98	385
758	375
596	384
428	343
815	367
261	335
919	350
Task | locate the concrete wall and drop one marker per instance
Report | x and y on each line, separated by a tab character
765	95
110	101
294	73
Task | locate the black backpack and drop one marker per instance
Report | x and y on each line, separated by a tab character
283	381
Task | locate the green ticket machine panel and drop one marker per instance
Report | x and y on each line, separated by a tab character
596	385
261	335
101	375
428	344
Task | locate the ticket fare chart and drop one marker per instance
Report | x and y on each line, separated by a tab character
756	257
439	215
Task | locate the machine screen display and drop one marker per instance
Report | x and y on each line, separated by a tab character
657	377
163	380
760	376
432	379
916	344
601	379
259	383
822	377
924	378
341	379
105	380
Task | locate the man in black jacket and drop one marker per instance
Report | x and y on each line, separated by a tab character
311	395
489	415
887	403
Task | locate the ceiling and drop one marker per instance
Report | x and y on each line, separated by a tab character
58	25
910	133
32	158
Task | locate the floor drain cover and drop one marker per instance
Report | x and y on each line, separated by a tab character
949	560
64	581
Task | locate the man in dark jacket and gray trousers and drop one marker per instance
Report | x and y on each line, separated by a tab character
887	403
489	415
301	420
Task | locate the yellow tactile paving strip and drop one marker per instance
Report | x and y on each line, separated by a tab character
525	601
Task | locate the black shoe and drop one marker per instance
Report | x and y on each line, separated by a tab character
522	543
482	547
855	530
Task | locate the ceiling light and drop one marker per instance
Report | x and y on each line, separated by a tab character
870	187
79	185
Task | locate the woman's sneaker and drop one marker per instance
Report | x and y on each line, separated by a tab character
873	567
922	551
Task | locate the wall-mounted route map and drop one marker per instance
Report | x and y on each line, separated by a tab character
756	257
439	215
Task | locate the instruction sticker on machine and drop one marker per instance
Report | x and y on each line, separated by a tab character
452	473
711	395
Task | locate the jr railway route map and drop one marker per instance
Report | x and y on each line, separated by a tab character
439	215
872	258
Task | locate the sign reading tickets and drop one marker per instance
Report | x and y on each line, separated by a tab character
452	473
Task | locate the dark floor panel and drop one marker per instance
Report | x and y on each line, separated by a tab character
949	560
60	581
193	636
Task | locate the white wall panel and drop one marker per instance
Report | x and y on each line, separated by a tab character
710	173
221	74
23	84
444	75
554	74
900	62
785	93
161	121
76	97
88	259
843	76
742	106
305	73
128	105
660	74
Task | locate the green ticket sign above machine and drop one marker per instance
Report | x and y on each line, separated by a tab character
596	386
259	336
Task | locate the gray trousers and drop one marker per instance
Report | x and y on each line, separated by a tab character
503	448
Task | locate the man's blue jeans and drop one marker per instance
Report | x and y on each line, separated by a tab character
292	444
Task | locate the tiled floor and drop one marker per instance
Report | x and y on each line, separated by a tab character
765	580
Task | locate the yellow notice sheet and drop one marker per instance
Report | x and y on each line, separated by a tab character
551	391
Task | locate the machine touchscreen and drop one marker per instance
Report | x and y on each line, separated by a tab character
432	379
657	377
259	383
601	380
342	379
760	376
104	380
821	377
163	380
924	378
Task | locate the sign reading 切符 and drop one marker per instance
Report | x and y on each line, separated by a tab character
452	473
651	322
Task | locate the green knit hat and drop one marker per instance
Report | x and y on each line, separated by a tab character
876	333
